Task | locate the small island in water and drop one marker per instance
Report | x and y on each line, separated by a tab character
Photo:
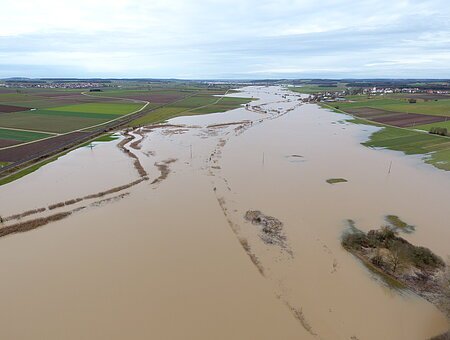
401	263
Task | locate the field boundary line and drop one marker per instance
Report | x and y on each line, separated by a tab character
26	130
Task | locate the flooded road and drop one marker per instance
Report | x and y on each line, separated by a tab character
174	257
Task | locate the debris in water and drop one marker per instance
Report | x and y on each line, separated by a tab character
272	228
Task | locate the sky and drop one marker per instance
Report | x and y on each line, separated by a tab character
225	39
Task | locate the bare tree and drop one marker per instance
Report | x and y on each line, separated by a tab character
397	256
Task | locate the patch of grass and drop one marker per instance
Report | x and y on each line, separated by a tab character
22	136
106	138
2	164
336	180
427	127
399	225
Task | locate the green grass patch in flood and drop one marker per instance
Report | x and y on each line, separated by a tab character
106	138
399	225
336	180
436	149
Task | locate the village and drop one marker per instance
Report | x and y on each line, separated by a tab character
336	96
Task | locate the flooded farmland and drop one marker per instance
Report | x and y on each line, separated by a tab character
219	226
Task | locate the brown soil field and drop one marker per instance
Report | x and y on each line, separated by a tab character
395	118
12	108
8	142
45	146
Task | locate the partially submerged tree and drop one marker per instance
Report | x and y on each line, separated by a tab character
397	256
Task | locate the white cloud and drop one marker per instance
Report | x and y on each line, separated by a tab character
221	38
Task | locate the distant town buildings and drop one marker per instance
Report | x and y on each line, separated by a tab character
334	96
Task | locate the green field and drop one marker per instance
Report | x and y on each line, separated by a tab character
225	104
435	149
196	101
46	123
22	136
59	113
159	115
67	118
100	108
395	103
427	127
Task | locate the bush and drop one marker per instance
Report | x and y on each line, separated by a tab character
423	257
377	261
412	101
355	240
439	131
382	237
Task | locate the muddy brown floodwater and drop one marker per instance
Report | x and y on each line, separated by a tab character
219	226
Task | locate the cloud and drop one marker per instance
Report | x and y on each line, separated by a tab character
225	39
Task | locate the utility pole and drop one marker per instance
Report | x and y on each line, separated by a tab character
390	166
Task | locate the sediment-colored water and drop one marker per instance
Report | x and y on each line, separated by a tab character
176	259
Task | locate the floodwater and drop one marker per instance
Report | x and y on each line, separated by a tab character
175	258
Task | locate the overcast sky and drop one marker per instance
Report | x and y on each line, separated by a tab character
225	38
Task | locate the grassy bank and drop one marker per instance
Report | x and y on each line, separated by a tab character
435	149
